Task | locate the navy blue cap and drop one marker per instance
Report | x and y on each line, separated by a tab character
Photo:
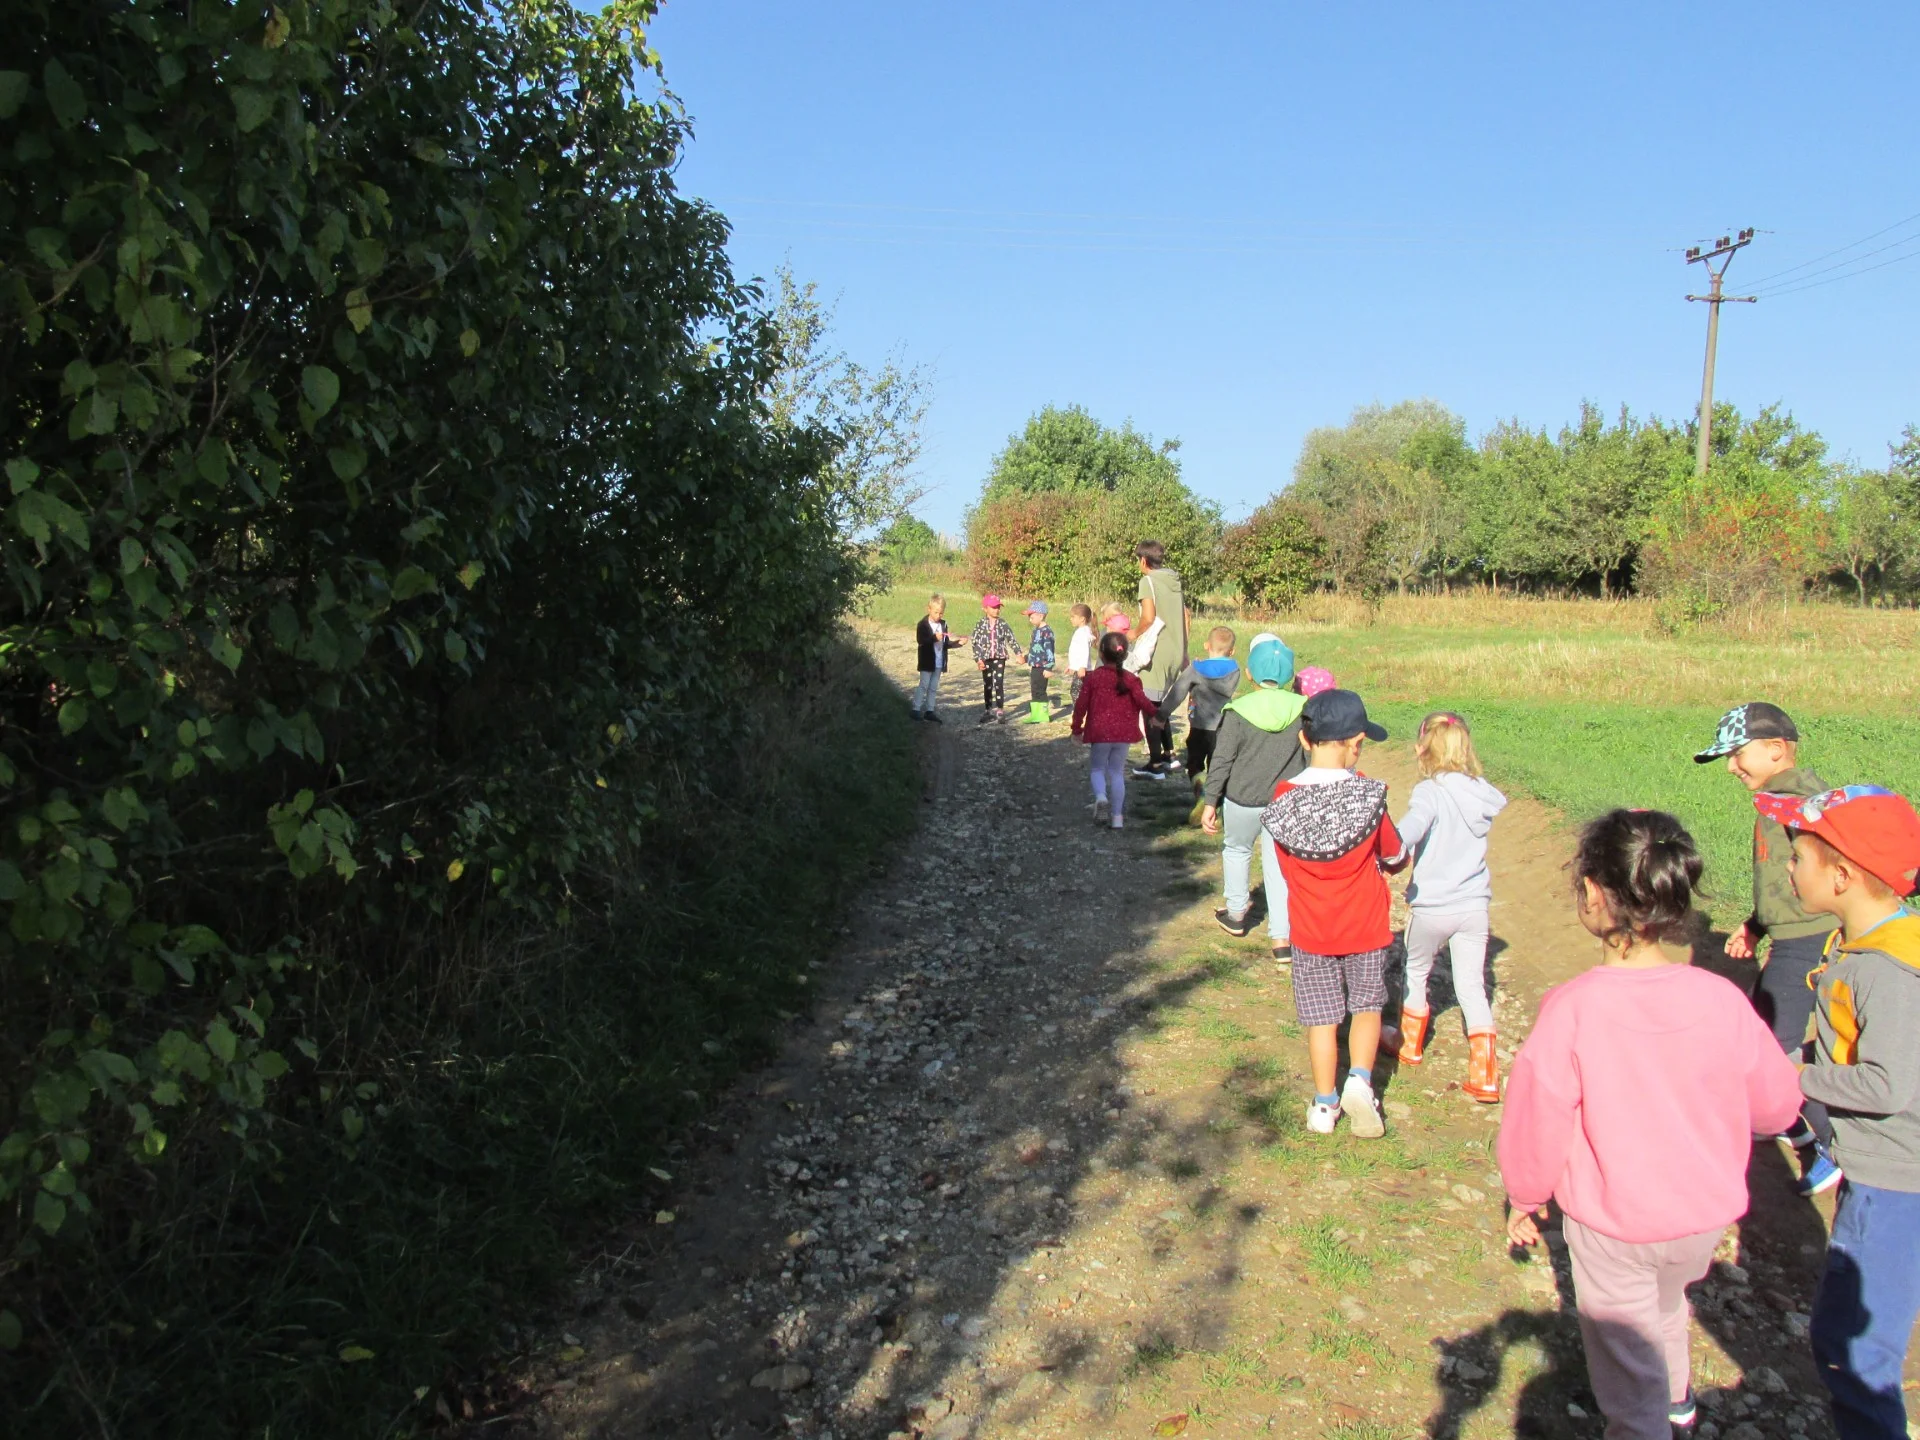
1338	715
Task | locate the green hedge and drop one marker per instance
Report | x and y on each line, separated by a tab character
394	537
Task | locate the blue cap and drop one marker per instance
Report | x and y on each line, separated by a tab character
1270	663
1038	607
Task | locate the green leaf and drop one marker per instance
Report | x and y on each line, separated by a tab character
456	646
321	387
49	1212
470	573
347	460
13	92
21	472
222	1041
412	581
354	1354
64	96
469	342
10	1333
12	887
251	107
277	29
73	716
220	645
359	310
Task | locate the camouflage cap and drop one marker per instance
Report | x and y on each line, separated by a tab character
1756	720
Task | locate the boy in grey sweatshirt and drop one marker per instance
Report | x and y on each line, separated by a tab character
1259	746
1211	683
1856	854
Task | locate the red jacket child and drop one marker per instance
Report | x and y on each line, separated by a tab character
1110	707
1334	838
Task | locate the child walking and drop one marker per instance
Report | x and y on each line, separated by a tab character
933	640
1633	1104
1079	648
1761	746
1330	823
1040	663
1206	686
1107	717
992	643
1856	853
1446	825
1259	746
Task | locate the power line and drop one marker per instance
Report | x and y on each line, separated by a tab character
1835	280
1841	265
1778	274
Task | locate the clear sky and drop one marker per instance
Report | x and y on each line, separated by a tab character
1230	223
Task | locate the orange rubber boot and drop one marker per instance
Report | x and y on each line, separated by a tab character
1483	1068
1414	1024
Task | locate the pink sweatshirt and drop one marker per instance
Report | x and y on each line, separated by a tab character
1635	1100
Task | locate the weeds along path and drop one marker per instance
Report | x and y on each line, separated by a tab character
1037	1166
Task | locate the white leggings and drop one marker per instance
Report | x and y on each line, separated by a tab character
1465	935
1109	773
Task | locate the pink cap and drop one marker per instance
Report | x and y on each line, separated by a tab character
1119	624
1313	680
989	601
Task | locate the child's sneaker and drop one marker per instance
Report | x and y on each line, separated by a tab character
1234	925
1361	1109
1119	822
1683	1412
1800	1136
986	717
1102	810
1321	1117
1147	772
1822	1175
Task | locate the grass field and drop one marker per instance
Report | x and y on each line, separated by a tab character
1587	704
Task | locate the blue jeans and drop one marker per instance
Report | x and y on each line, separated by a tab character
926	692
1863	1314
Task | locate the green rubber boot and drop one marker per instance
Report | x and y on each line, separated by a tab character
1039	712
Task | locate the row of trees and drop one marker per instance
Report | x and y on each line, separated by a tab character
1400	498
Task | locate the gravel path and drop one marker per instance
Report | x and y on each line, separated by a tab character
1036	1167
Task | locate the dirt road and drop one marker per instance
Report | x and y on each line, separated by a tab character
1037	1166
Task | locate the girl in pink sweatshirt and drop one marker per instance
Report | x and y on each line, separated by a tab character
1633	1104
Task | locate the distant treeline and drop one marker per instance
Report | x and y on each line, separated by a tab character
1400	498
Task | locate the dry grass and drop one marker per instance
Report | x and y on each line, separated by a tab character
1817	658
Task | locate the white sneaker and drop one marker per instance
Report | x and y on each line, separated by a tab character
1102	809
1119	822
1321	1118
1362	1110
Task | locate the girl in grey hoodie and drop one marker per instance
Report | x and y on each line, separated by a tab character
1446	825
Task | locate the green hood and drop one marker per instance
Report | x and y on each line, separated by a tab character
1269	710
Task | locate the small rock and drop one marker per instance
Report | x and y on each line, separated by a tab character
928	1410
1733	1275
1767	1380
1575	1411
782	1378
1467	1370
954	1427
1398	1110
973	1327
1745	1430
1798	1323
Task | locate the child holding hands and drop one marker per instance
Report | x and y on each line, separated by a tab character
1633	1104
1856	855
993	644
1448	818
1107	717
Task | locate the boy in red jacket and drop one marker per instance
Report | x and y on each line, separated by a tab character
1330	826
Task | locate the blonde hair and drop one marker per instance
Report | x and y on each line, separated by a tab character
1223	637
936	599
1445	746
1112	607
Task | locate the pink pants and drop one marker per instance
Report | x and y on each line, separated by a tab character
1633	1317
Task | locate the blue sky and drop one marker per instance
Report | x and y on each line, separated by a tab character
1231	223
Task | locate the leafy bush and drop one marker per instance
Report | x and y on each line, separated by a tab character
1276	555
1718	546
1067	501
395	525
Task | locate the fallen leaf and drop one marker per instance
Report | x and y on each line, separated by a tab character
663	1217
1172	1424
353	1354
573	1353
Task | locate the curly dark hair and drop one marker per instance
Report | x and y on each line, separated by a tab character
1647	866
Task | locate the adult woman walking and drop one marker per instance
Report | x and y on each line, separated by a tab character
1161	598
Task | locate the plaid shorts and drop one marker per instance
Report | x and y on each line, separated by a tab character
1328	988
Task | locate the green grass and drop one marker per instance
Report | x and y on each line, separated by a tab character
1584	759
1327	1255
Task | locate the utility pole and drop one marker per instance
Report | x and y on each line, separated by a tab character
1727	246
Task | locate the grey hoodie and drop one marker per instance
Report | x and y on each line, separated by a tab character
1446	825
1866	1068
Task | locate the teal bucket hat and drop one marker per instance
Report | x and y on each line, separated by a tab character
1270	662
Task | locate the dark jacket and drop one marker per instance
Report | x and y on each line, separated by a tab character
1776	909
1251	758
933	648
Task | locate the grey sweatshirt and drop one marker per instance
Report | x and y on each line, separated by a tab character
1866	1067
1211	682
1446	825
1259	746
